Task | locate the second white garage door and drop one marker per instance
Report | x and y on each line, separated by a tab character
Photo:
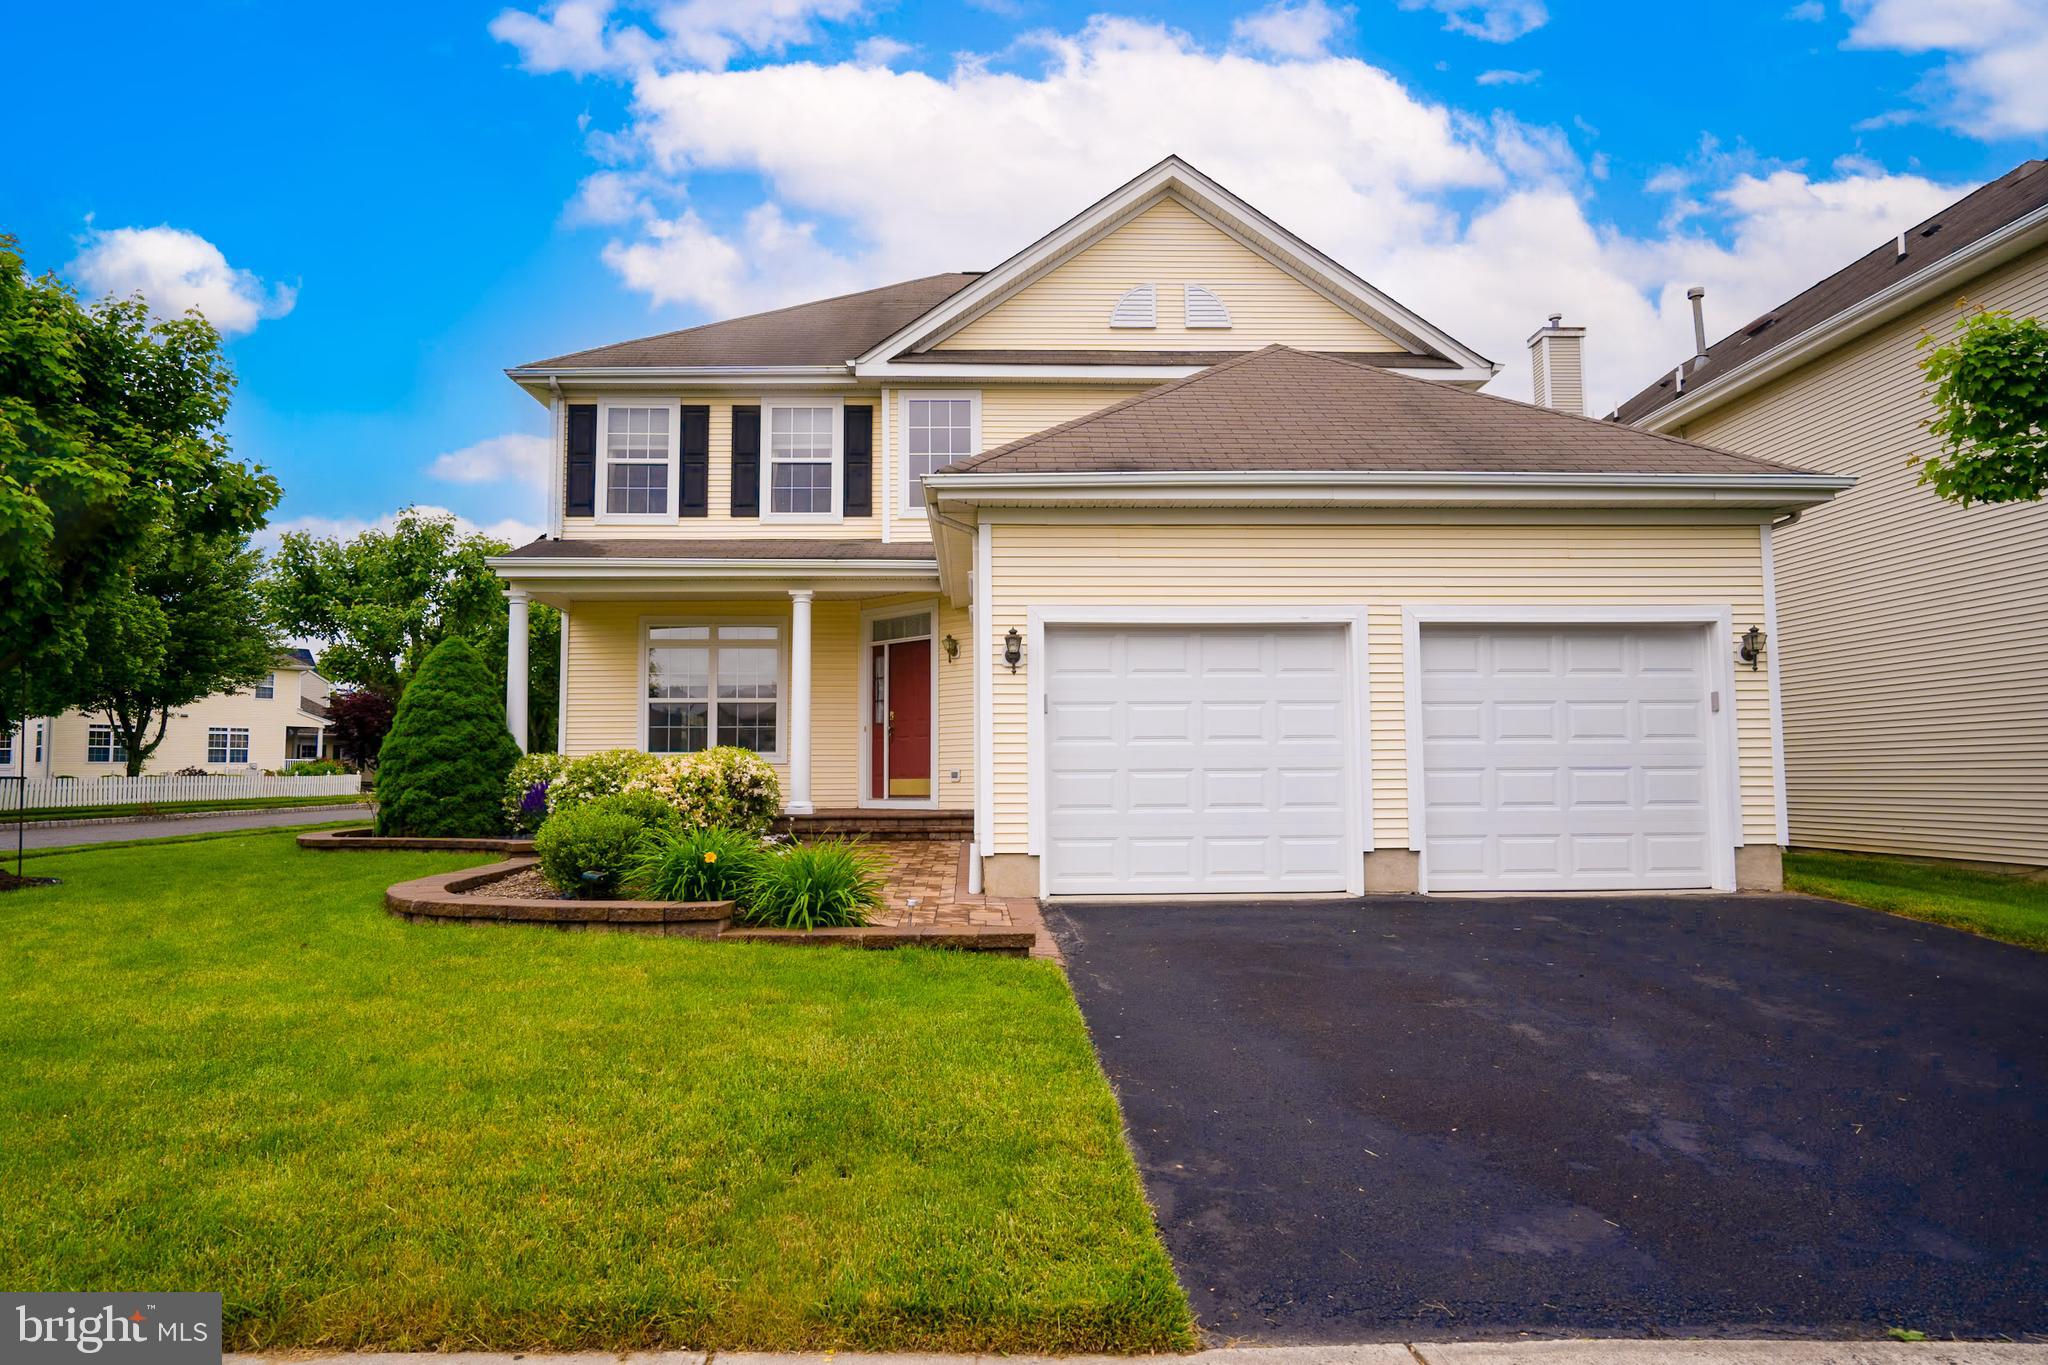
1566	759
1197	761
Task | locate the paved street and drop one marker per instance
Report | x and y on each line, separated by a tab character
60	835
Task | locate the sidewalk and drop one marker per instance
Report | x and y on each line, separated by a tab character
1606	1352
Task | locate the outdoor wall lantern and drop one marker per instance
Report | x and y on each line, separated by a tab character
952	648
1752	647
1013	649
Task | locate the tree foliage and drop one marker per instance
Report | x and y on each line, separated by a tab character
185	623
359	718
109	431
384	598
1989	385
443	766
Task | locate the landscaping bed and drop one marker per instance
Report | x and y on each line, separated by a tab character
230	1067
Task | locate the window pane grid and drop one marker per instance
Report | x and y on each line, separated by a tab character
800	456
937	432
101	747
227	744
636	461
725	688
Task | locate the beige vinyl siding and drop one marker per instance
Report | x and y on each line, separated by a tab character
1167	245
720	521
1913	634
1007	413
604	700
1383	566
184	746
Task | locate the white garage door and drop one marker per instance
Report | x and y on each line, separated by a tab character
1566	759
1197	761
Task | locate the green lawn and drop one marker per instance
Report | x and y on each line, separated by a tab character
228	1068
1998	905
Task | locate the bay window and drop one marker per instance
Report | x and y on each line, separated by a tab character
713	684
639	455
801	462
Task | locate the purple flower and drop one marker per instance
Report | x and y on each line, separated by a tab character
535	802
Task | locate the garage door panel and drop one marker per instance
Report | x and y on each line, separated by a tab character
1221	765
1565	758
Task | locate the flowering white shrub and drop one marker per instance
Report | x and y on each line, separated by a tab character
604	773
728	787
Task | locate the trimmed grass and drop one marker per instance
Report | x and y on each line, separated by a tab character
229	1068
2005	906
59	814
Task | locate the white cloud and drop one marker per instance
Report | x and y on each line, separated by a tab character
1508	77
1991	86
514	458
881	50
586	37
176	270
511	530
1807	12
1497	21
1291	28
1476	221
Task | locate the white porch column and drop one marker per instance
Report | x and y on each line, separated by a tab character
799	802
515	666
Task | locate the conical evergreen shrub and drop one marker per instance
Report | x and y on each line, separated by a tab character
441	772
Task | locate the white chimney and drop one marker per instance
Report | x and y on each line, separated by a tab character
1556	362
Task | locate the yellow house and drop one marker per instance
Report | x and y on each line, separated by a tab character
1915	632
282	718
1170	558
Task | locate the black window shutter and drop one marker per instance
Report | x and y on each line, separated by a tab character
860	462
746	461
696	499
582	489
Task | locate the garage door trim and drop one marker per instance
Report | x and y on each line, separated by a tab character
1352	620
1724	803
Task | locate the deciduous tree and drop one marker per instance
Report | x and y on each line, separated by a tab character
1989	384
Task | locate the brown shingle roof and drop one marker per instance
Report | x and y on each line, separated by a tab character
1281	409
2013	195
735	547
827	332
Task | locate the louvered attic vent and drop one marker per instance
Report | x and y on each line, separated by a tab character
1139	307
1204	309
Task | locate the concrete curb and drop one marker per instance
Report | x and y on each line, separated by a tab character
1582	1352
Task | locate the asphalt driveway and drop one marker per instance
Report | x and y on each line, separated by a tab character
1699	1116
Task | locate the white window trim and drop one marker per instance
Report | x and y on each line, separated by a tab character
868	618
649	624
228	749
602	497
909	505
785	400
268	680
113	745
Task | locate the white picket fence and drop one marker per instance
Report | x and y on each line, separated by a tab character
50	794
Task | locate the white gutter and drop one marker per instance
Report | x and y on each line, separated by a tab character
1988	251
1118	374
583	566
1385	487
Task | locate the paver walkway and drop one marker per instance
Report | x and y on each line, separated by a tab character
927	887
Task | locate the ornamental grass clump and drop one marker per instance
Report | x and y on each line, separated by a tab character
832	884
709	864
442	770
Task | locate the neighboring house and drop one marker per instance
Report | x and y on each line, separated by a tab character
283	718
1179	559
1915	632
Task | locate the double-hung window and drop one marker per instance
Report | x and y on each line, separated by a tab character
266	687
638	448
938	428
102	747
714	684
6	747
800	462
227	744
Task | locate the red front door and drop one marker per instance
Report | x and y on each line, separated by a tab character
900	757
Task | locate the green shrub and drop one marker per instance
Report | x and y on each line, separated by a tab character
441	772
590	776
526	791
830	884
654	815
708	864
727	786
315	767
585	851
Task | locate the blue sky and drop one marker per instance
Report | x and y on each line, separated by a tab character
386	214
